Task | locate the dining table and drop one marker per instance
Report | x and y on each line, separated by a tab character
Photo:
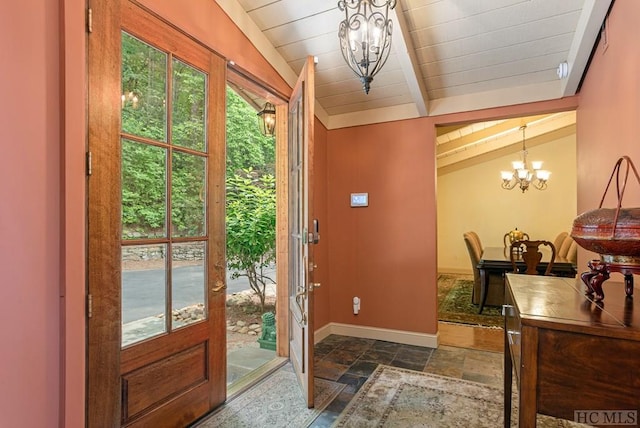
497	261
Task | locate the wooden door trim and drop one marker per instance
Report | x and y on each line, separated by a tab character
217	262
103	358
309	122
282	230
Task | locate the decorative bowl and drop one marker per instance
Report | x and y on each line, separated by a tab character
616	240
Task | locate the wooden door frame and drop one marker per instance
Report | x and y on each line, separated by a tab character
244	79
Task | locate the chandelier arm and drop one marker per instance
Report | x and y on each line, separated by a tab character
540	185
508	185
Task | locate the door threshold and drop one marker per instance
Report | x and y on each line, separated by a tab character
254	377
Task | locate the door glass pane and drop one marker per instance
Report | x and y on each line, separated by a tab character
143	292
187	195
187	285
144	191
188	111
144	83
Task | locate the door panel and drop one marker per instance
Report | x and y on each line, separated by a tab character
158	287
301	265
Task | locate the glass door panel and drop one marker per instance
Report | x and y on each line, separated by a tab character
144	87
189	112
188	172
188	283
144	191
144	276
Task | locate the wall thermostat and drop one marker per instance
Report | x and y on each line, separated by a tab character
359	199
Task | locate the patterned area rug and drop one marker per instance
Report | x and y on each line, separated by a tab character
397	398
454	303
275	402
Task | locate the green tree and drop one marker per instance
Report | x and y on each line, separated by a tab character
246	146
251	227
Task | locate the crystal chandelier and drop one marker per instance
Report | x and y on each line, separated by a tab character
522	176
365	36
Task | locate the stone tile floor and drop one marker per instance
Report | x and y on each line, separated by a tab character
351	361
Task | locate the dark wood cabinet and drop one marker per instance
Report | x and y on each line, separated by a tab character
569	353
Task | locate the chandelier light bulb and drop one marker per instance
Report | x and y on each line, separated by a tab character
507	175
543	174
536	165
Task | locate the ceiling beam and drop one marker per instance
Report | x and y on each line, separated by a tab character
403	46
591	19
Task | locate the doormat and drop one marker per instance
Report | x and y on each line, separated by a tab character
274	402
454	304
398	398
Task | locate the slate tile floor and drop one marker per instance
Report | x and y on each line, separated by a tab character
351	361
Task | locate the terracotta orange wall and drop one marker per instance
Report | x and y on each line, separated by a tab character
384	253
30	214
608	124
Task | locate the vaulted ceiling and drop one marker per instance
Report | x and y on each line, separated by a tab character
447	55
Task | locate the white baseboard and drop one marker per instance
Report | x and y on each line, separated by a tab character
455	271
396	336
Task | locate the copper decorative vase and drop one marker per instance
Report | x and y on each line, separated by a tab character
613	233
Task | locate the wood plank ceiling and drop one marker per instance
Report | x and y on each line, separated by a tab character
447	55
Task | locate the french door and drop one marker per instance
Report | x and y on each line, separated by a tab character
303	231
156	249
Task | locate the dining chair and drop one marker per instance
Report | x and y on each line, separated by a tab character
476	240
529	252
474	247
560	237
495	288
568	249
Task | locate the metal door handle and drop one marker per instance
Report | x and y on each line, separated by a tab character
316	232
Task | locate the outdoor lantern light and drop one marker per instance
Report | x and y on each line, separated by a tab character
365	36
267	120
522	176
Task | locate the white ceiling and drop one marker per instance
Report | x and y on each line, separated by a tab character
447	56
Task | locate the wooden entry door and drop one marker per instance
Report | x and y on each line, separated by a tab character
156	326
303	231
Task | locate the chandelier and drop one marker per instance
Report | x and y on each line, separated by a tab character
365	36
267	120
522	176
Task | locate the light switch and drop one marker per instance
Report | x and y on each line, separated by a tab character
359	199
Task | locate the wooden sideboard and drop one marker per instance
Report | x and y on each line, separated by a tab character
568	352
